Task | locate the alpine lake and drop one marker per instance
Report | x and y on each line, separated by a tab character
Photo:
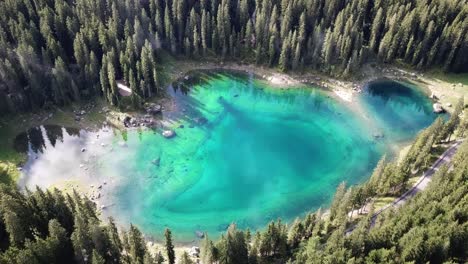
243	153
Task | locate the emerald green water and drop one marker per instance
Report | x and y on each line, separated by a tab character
244	153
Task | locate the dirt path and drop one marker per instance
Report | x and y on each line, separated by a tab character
420	185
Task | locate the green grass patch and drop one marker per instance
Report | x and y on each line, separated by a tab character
412	181
9	157
380	202
450	77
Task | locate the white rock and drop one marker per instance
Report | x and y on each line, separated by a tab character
437	108
168	133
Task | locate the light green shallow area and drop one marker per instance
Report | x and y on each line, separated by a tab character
244	153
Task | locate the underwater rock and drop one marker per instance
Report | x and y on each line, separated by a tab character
156	162
168	133
201	120
378	135
199	234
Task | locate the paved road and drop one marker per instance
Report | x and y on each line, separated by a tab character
420	185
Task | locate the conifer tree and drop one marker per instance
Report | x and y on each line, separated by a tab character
169	247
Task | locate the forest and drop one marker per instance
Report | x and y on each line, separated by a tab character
56	52
54	227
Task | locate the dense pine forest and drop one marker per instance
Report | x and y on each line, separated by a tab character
55	52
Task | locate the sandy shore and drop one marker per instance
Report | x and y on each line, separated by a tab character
344	90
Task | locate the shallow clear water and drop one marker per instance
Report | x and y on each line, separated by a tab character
247	153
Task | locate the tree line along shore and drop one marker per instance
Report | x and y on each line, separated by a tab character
58	52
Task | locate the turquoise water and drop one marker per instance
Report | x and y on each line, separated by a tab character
244	152
402	107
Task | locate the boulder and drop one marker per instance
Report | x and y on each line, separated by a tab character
201	120
153	109
168	133
194	252
83	150
127	121
438	108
